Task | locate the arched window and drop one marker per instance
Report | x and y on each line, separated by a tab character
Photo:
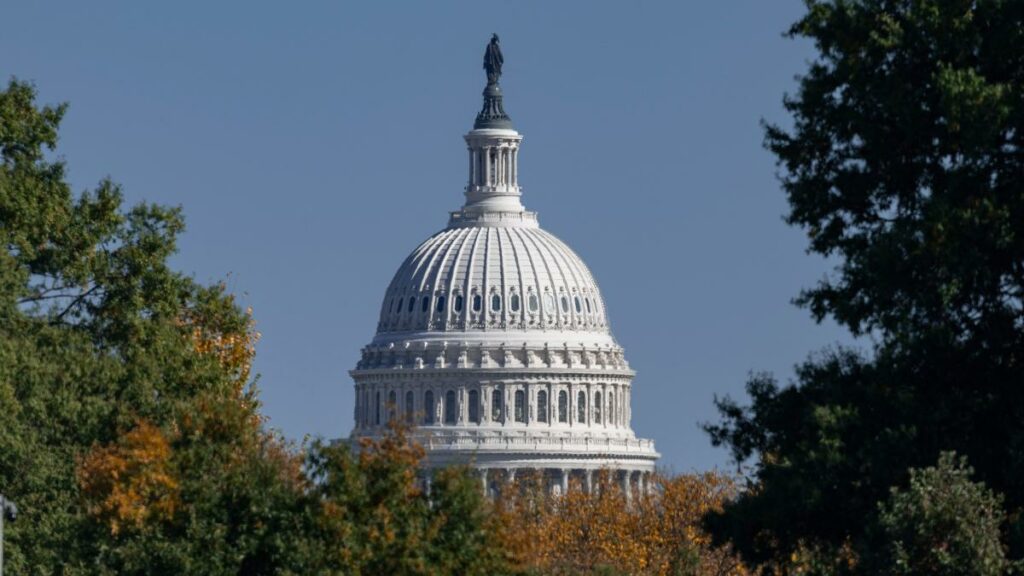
474	406
495	302
458	303
449	407
587	300
376	418
563	406
613	418
400	300
513	303
412	304
409	400
520	406
581	407
426	304
440	303
392	404
391	306
496	405
533	302
565	304
478	302
542	406
597	407
579	307
428	407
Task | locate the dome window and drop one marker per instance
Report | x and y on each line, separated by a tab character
587	300
391	306
428	407
412	304
565	304
513	303
400	302
612	416
409	401
520	406
549	302
474	406
458	303
579	307
597	407
533	302
563	407
376	418
392	404
449	407
426	304
542	406
581	407
496	405
478	302
496	302
440	303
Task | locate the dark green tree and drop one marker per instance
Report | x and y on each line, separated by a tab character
904	162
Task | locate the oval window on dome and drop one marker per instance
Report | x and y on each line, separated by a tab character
565	304
412	304
426	304
496	302
549	302
440	303
391	306
513	303
478	302
458	303
587	300
400	300
579	307
533	302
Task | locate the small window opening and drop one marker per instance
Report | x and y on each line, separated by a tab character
412	304
478	302
533	302
579	307
495	302
542	406
513	302
458	303
474	406
520	406
440	303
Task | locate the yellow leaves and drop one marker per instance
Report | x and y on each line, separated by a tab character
130	482
234	350
657	533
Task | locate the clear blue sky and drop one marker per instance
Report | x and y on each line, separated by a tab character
313	145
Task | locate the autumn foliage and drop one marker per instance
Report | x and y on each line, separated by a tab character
607	531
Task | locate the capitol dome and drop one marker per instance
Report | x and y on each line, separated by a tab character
494	341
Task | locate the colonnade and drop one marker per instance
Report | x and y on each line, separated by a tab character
494	165
558	481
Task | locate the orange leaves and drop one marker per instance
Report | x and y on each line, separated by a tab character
657	533
130	482
234	349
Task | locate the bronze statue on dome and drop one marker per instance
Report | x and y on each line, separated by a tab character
493	60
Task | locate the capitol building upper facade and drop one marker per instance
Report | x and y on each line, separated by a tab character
494	341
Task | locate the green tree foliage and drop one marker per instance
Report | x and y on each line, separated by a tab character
128	433
373	516
904	163
942	524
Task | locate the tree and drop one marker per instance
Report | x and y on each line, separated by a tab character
130	433
903	163
942	524
605	532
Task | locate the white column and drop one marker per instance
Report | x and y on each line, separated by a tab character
590	480
487	165
565	481
483	480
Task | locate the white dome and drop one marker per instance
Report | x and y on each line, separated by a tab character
514	278
494	340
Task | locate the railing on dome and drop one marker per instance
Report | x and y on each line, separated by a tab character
566	444
463	218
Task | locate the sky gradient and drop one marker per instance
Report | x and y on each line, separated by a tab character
314	145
